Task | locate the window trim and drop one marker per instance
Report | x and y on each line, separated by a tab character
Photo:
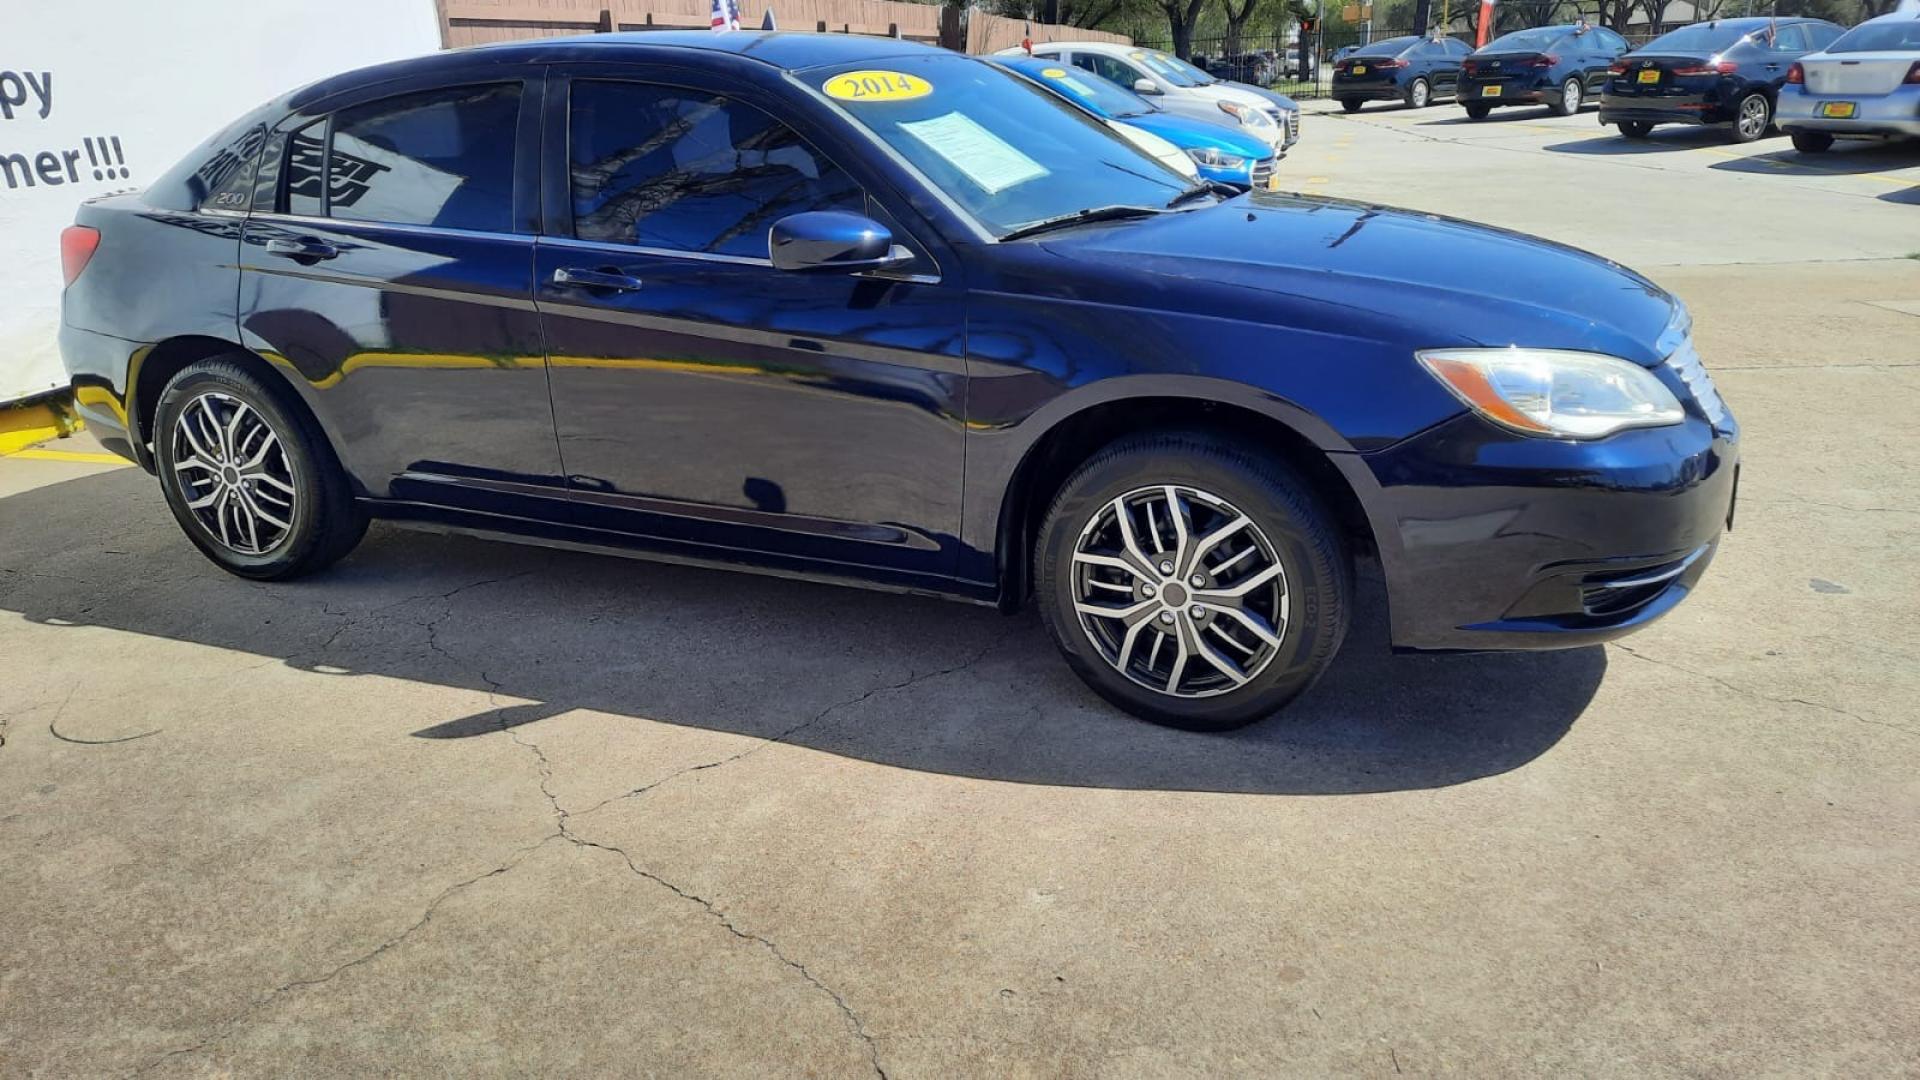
523	206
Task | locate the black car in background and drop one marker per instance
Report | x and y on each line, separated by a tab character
1724	72
1556	66
1411	69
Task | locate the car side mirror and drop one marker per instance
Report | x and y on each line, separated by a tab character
833	240
1146	86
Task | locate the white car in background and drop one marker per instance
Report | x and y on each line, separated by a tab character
1864	85
1151	75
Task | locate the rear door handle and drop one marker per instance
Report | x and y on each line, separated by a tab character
305	247
582	278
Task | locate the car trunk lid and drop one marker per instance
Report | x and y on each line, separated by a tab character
1858	73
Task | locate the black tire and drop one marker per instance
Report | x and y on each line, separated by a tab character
1572	94
1351	104
1812	142
325	522
1635	129
1419	93
1744	131
1479	112
1300	532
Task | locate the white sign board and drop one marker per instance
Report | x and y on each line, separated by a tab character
107	95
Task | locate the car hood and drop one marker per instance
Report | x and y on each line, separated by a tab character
1188	133
1385	273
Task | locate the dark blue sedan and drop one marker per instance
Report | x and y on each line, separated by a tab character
855	309
1556	66
1726	72
1413	70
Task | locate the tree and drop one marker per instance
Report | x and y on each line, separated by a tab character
1181	17
1236	23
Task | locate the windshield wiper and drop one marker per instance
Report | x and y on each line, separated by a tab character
1080	217
1204	187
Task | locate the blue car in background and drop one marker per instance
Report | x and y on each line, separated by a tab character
1729	72
1556	66
1222	153
1411	69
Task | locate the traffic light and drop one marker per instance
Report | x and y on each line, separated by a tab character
1306	25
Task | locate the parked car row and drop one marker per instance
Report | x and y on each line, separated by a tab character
1180	88
1816	80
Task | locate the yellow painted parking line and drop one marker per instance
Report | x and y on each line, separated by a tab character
80	456
1316	179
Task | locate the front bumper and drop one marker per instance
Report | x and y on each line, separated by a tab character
1893	114
1491	540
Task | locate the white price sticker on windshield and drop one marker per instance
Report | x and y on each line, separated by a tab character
985	158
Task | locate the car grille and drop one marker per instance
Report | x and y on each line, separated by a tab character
1262	172
1290	124
1685	362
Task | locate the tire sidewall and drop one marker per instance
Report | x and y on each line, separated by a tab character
295	444
1317	574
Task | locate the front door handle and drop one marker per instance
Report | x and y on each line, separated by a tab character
582	278
304	248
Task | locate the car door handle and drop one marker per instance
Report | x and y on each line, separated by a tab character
305	247
582	278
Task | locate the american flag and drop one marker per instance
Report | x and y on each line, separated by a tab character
726	15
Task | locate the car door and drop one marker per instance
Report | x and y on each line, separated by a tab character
1604	47
1788	44
703	397
1442	70
387	269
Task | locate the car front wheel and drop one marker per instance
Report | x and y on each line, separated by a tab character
1192	582
248	475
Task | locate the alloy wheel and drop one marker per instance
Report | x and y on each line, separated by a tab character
233	473
1571	95
1753	117
1180	591
1421	93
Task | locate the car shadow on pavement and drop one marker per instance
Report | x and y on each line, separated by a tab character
904	681
1664	140
1497	116
1842	160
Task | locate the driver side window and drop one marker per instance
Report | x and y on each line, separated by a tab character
685	170
1114	71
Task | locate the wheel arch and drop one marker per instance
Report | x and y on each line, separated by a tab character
153	369
1074	436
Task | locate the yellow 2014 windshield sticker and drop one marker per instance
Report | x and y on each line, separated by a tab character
1054	73
877	86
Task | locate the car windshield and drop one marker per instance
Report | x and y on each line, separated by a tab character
1902	35
1006	151
1159	63
1389	47
1698	38
1528	40
1100	95
1200	78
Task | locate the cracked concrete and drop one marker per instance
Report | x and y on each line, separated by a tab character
466	808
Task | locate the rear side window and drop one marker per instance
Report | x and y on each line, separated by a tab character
1610	41
1700	37
1896	36
442	158
1389	47
1790	39
684	170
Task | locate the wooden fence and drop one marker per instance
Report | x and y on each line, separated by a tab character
473	22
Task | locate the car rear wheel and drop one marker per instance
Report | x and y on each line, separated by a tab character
1419	94
248	475
1479	112
1191	581
1812	142
1571	96
1751	117
1635	129
1350	104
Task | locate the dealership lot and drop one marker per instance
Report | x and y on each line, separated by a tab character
460	807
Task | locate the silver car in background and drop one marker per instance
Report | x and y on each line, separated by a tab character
1864	85
1154	75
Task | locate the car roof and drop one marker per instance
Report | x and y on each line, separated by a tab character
1112	48
785	50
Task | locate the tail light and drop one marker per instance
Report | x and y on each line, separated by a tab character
1546	61
1796	75
77	245
1618	67
1385	64
1470	67
1913	73
1719	67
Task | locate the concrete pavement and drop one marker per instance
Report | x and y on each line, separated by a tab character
465	808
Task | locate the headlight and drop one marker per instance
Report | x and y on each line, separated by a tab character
1246	114
1215	159
1576	395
